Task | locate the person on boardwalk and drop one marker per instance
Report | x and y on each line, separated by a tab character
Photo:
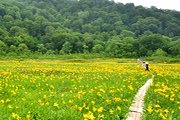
147	66
144	65
138	62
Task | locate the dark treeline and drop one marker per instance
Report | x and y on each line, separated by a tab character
87	26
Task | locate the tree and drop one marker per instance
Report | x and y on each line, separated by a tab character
83	15
174	47
3	34
41	48
172	29
28	41
67	47
8	18
2	11
77	25
104	36
38	26
118	26
86	28
22	49
88	40
49	31
12	48
148	24
105	27
113	46
151	42
16	31
59	18
126	33
3	48
8	40
98	48
59	39
29	26
160	53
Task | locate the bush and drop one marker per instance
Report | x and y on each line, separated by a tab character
174	60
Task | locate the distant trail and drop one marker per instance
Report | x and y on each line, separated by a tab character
137	107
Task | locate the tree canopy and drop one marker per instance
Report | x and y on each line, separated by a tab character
95	26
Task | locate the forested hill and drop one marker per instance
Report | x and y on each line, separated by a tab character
95	26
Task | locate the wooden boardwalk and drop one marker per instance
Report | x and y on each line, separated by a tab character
137	107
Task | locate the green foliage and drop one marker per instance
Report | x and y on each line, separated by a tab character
3	48
88	26
67	47
41	48
151	42
159	52
98	48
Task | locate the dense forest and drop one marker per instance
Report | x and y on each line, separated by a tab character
87	26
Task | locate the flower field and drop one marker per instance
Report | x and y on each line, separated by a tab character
162	100
51	90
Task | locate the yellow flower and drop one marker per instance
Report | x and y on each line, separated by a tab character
155	110
157	106
130	87
118	108
166	111
94	109
80	108
23	99
172	99
108	101
111	111
100	116
70	101
8	100
47	103
150	109
85	116
93	102
84	104
44	97
9	106
166	96
92	117
87	108
2	101
56	105
39	101
18	117
100	109
28	117
14	115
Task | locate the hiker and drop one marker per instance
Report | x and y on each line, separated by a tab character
147	68
138	61
144	65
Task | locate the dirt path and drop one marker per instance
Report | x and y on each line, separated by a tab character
137	107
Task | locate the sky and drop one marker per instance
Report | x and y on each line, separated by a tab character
160	4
